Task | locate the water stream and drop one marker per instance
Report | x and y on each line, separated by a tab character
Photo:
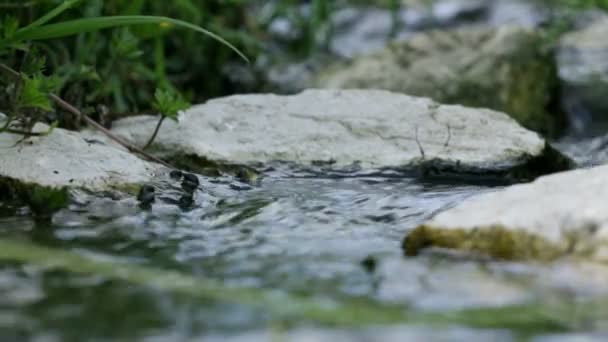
322	237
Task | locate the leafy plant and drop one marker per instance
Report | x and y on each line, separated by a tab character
168	103
28	90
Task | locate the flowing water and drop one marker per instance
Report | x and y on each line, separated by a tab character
323	237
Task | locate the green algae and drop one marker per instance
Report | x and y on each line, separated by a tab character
495	241
43	200
210	168
46	200
523	85
288	308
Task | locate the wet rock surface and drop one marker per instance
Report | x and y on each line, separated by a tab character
68	159
505	69
554	216
360	129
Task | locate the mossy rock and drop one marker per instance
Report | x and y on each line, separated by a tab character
558	215
508	69
42	200
42	170
494	241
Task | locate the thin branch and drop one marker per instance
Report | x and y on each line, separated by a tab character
75	111
447	141
132	148
419	145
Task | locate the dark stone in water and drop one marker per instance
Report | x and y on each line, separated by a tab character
369	263
146	196
190	183
176	174
191	178
186	202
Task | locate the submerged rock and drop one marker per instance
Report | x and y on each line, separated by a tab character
39	170
455	281
554	216
505	69
387	333
583	70
364	129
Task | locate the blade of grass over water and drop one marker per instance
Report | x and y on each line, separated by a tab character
530	318
53	13
72	27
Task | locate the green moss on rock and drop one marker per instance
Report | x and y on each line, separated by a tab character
210	168
43	200
495	241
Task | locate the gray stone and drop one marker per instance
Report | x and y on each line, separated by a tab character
65	159
554	216
389	334
574	337
361	30
503	68
447	11
369	128
583	69
457	282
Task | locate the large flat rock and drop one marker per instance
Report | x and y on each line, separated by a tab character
557	215
66	159
368	128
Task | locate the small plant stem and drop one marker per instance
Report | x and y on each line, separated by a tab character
156	129
75	111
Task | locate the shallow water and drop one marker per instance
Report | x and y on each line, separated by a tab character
322	237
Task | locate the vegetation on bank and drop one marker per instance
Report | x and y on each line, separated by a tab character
132	69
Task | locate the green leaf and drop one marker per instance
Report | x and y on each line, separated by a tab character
34	63
169	102
33	94
9	27
125	45
71	27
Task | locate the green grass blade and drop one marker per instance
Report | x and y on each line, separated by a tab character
53	13
77	26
